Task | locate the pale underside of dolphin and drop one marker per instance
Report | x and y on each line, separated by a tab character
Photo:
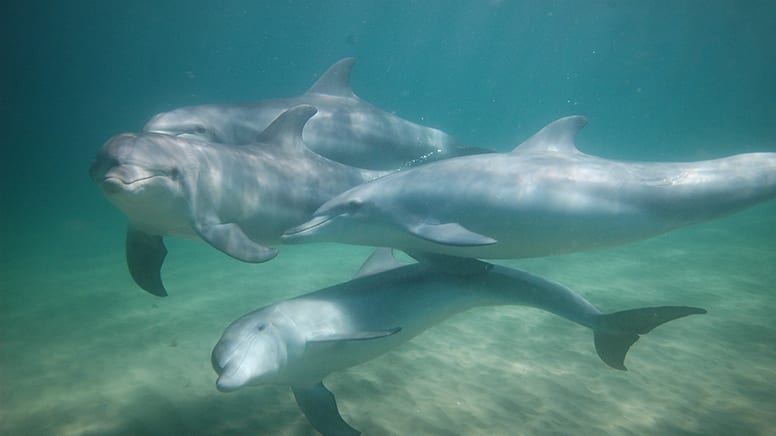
298	342
238	199
543	198
346	128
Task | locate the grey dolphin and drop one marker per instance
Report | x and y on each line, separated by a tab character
543	198
299	341
237	199
346	128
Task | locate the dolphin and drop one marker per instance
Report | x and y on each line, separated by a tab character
237	199
543	198
346	128
299	341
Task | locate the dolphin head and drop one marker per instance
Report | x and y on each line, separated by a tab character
351	217
143	174
204	123
253	350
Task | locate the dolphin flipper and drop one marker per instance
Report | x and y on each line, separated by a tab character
145	256
616	332
230	239
320	407
448	234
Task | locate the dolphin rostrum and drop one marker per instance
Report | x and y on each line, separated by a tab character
238	199
298	342
543	198
346	128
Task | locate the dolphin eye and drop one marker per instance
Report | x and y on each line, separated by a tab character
200	130
354	205
261	327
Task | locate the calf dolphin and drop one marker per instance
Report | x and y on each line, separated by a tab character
237	199
300	341
543	198
346	128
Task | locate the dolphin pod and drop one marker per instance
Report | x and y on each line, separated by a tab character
241	178
543	198
237	199
299	341
346	128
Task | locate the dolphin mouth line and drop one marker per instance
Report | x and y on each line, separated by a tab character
116	180
308	226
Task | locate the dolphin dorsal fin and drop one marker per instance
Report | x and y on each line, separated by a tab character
381	260
558	136
336	80
286	129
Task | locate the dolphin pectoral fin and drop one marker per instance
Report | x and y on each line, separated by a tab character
230	239
354	336
320	407
616	332
449	234
145	255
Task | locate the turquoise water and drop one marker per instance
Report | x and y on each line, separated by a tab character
84	351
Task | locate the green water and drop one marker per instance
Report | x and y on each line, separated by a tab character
84	351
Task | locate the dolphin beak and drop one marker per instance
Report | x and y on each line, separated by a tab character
101	166
305	229
223	384
123	178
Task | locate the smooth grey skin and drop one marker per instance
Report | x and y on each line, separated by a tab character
299	341
346	129
237	199
543	198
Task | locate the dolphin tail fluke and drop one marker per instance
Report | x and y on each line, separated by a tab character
320	408
145	256
616	332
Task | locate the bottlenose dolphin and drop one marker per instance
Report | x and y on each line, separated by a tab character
237	199
299	341
346	129
543	198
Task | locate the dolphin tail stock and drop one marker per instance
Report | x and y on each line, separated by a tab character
320	407
614	333
145	255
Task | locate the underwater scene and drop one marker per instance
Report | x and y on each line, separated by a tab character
199	201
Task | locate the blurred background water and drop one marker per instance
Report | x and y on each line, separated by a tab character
82	350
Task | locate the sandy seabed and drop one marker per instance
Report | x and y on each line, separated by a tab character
84	351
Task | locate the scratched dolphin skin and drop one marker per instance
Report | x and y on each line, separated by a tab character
543	198
237	199
298	342
346	128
